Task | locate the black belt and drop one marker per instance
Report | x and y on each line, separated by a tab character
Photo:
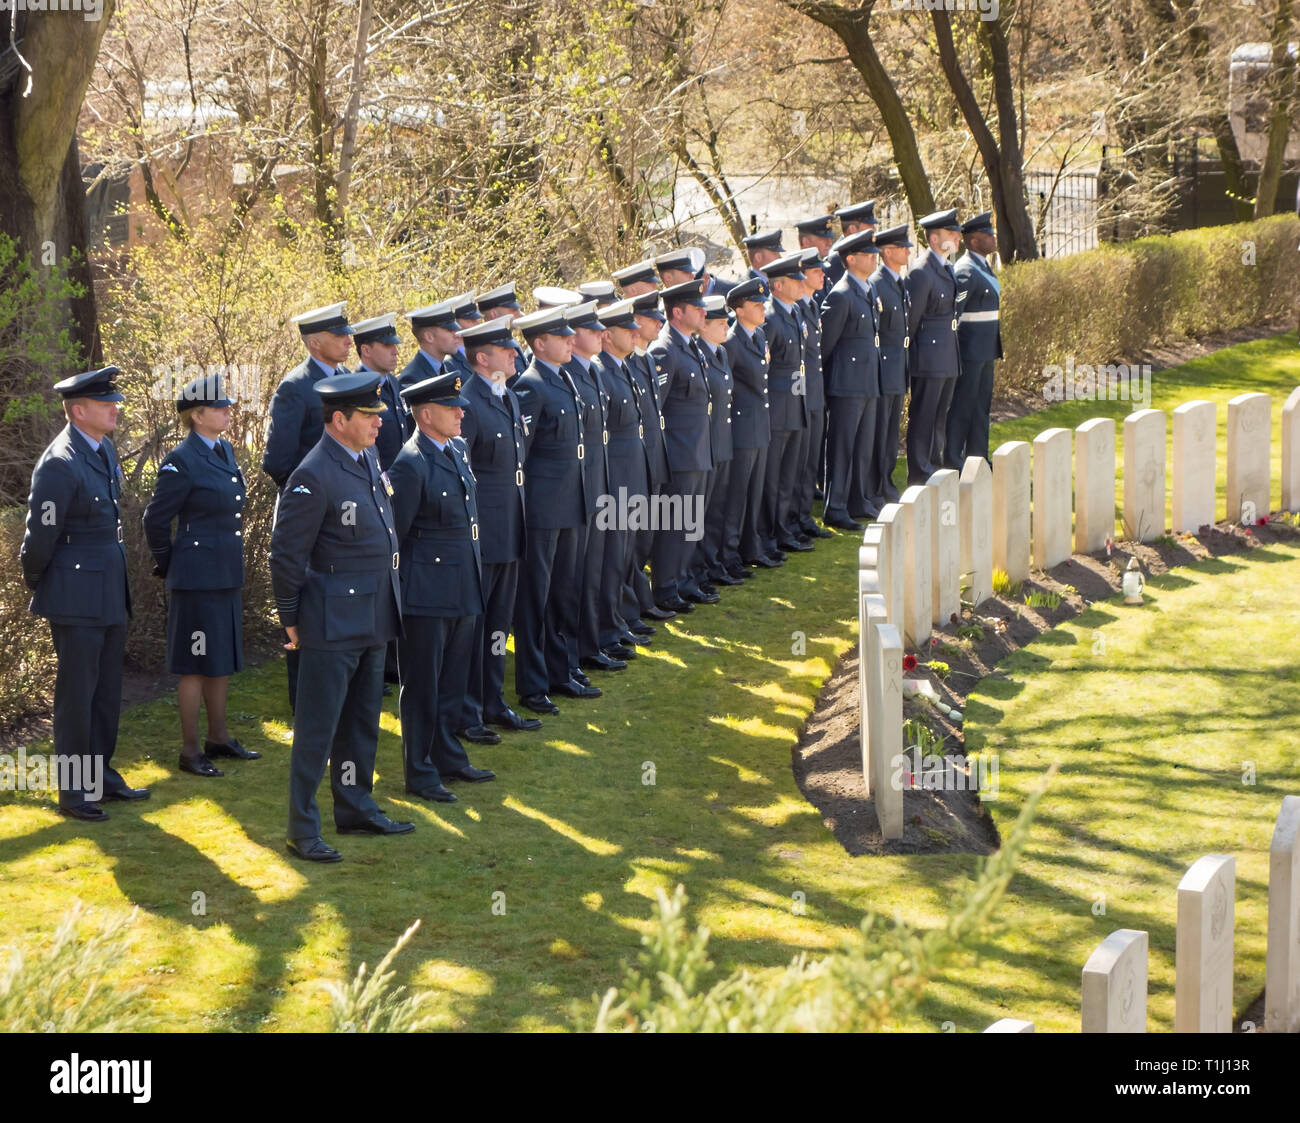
93	537
368	564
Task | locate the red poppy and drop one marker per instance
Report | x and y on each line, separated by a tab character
1262	520
909	662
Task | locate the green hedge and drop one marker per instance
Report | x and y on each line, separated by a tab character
1110	304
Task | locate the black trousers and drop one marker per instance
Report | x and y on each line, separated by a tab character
615	573
939	441
968	416
87	706
928	396
589	592
710	555
780	473
434	654
744	506
671	556
485	695
889	411
341	694
811	476
546	599
851	434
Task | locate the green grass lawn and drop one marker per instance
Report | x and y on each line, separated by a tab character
1151	738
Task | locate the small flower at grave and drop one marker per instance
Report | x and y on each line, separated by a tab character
916	819
1262	520
909	662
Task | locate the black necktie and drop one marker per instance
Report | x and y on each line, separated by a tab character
222	451
103	455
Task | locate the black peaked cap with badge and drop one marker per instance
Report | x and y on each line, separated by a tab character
357	391
440	390
97	385
754	289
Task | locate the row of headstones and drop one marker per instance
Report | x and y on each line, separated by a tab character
1114	992
913	556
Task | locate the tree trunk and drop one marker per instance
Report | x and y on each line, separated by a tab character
1281	83
343	181
853	26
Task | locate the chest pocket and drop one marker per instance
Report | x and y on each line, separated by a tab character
566	423
350	605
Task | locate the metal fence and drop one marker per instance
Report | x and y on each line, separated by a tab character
1064	209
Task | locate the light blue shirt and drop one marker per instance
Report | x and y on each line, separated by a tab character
207	441
94	444
435	363
346	451
983	266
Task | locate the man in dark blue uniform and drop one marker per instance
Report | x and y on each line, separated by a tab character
435	515
676	267
933	362
434	327
853	220
649	322
500	302
751	432
377	345
466	311
585	370
684	393
546	610
816	234
74	561
850	354
709	569
892	311
636	280
293	426
630	410
979	342
785	331
762	249
334	573
812	439
497	441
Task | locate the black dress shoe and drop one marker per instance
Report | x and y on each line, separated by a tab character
127	795
602	662
230	748
821	532
380	824
471	775
793	545
619	652
642	629
480	735
658	612
727	579
314	850
435	794
703	598
511	720
739	572
708	587
578	676
630	639
777	553
843	524
199	765
764	562
86	812
574	689
539	704
676	607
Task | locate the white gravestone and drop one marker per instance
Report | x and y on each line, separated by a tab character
1094	484
918	512
945	546
1011	509
1291	452
1203	947
1144	475
1114	996
1282	960
871	609
1196	450
1249	450
882	550
1051	497
977	527
1010	1025
886	749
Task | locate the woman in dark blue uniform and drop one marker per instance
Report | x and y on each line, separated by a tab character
202	490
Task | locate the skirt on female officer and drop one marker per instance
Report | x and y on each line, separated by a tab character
205	632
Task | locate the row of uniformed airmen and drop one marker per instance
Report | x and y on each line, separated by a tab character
498	493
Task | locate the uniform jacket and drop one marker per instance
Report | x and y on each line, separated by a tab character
497	442
750	427
850	332
555	495
814	389
834	269
629	412
334	552
684	400
979	336
72	553
785	338
717	372
435	512
294	425
656	440
392	433
204	494
932	319
895	344
595	465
